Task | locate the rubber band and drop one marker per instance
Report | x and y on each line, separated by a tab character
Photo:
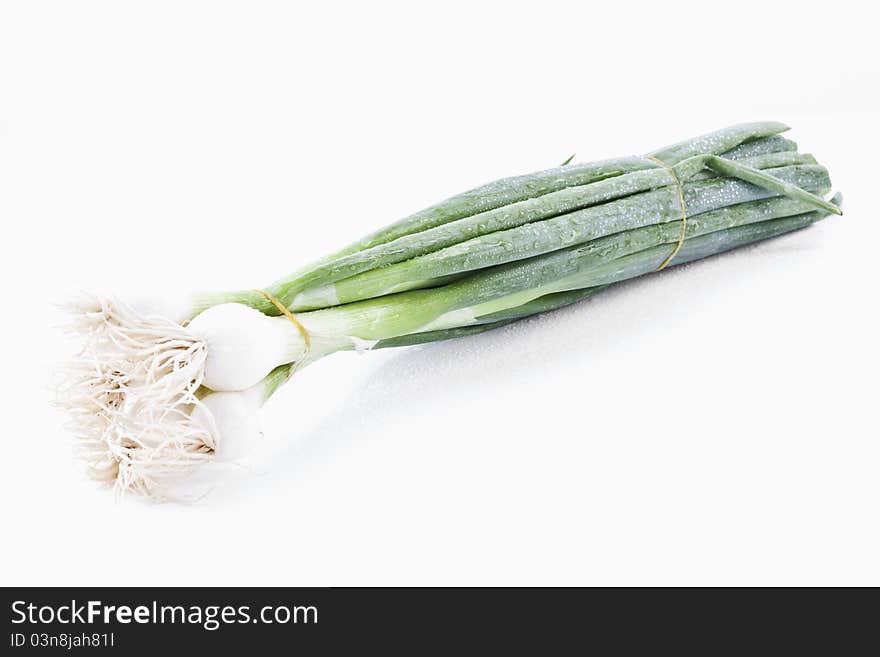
684	217
284	311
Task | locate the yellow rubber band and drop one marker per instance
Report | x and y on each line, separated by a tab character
684	217
284	311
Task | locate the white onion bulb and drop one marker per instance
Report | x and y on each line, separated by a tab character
243	345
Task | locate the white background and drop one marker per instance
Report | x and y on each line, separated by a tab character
714	424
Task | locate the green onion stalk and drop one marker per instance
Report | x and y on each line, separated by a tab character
162	388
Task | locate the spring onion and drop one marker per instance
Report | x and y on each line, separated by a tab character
163	388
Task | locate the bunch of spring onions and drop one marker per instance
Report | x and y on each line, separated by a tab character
160	389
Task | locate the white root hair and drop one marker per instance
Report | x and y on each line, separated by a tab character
131	395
